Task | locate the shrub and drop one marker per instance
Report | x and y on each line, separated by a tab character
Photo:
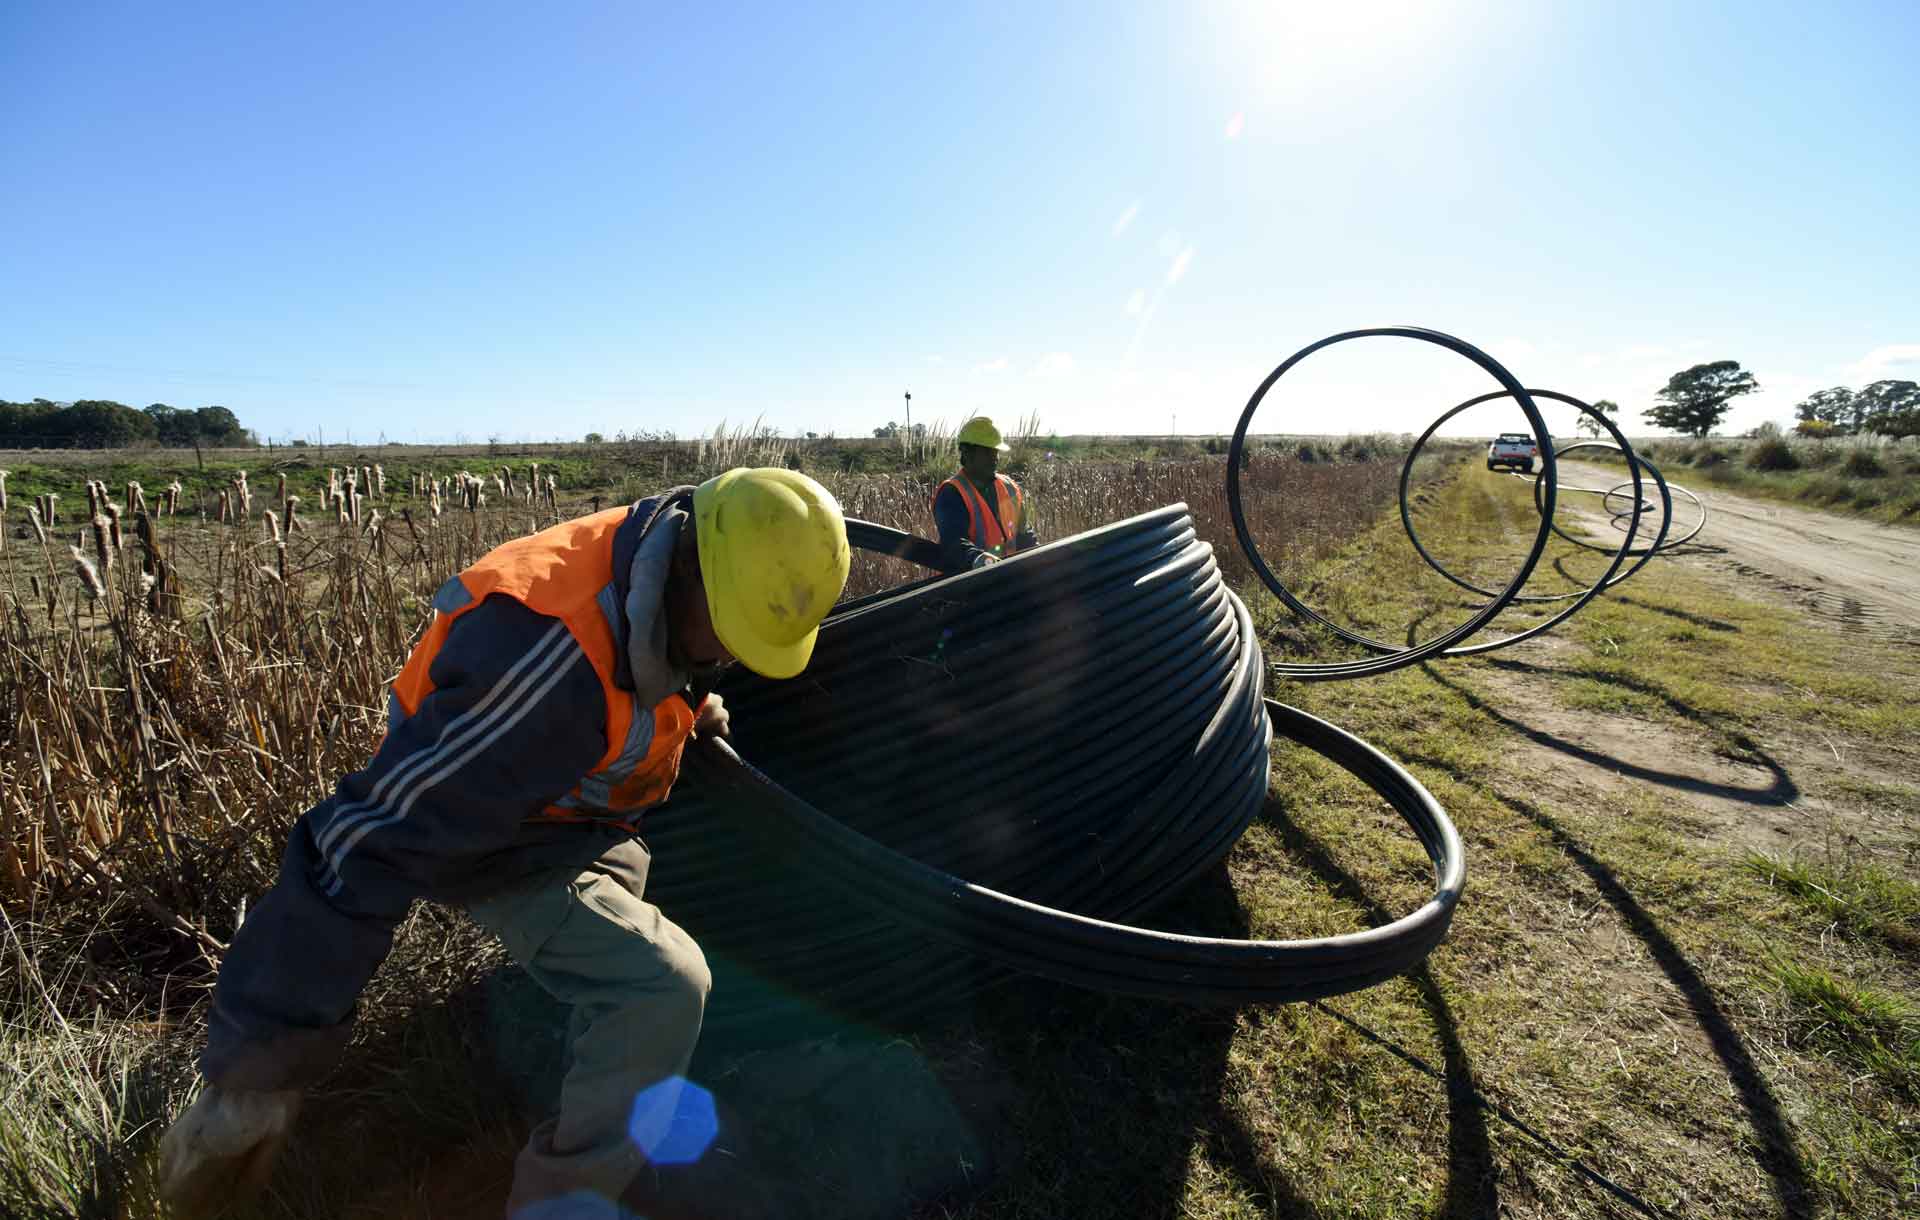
1827	489
1819	454
1863	464
1772	453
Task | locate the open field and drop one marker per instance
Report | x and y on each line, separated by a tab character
1686	960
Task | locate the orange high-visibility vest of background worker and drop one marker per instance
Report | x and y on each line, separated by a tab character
981	514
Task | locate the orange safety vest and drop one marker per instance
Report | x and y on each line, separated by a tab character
566	572
991	529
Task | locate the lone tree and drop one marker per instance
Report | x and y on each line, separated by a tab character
1590	426
1694	401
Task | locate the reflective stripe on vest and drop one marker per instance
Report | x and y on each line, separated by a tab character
990	531
566	572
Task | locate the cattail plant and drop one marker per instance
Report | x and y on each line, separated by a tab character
280	487
158	584
136	497
272	522
224	515
113	528
102	544
290	504
379	482
88	574
39	523
3	492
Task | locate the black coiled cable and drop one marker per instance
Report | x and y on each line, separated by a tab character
997	771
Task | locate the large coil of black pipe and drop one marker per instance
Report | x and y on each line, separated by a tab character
995	771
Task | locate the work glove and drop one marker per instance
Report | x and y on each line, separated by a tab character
984	558
713	719
222	1150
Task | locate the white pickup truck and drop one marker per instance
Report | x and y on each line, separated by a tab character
1512	449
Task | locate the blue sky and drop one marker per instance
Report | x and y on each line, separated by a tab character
533	221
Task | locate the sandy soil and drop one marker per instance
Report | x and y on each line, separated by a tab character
1845	572
1843	569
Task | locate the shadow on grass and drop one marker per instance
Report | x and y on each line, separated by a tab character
415	1122
1778	1155
1115	1094
1687	616
1781	791
1472	1185
1034	1099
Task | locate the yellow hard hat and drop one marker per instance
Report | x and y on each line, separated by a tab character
980	431
773	558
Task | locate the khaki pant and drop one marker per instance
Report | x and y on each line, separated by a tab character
638	985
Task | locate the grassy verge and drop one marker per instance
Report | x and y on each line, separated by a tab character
1867	476
1618	974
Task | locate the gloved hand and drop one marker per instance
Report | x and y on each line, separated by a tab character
713	719
222	1150
984	558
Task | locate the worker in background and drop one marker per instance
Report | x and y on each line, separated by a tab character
981	514
543	713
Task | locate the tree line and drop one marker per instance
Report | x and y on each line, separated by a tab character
1890	408
1695	400
97	423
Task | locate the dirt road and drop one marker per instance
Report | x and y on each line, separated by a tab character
1861	574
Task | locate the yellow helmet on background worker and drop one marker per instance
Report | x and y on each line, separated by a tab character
980	431
773	558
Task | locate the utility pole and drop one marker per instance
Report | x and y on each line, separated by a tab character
909	421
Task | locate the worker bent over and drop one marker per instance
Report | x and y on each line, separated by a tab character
981	514
542	714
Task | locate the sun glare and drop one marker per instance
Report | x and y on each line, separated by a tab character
1297	50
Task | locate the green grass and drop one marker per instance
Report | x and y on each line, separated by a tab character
1612	964
1862	896
1863	1025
